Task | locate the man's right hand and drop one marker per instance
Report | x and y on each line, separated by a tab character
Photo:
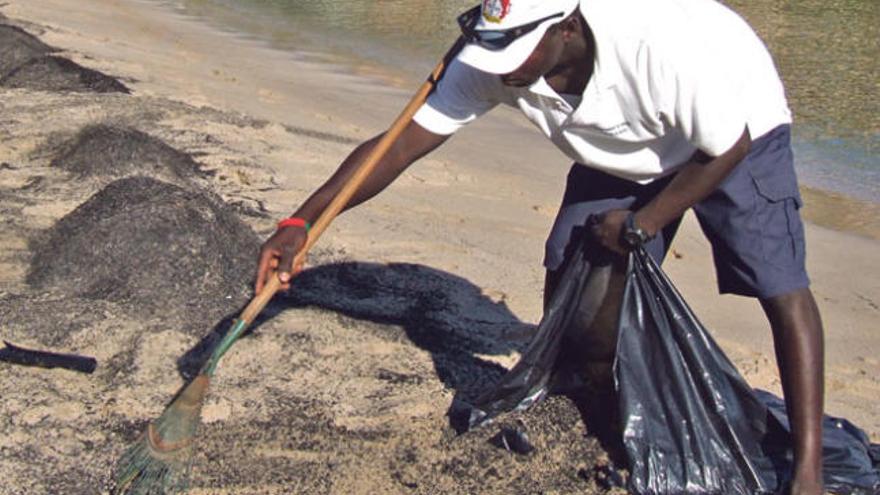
278	253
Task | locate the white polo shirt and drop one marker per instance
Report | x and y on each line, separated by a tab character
670	77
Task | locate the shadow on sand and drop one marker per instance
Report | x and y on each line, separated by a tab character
441	313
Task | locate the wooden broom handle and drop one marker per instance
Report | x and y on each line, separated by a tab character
355	181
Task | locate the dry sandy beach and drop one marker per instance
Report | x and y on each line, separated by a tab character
424	293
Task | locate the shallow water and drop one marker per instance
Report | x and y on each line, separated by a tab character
828	52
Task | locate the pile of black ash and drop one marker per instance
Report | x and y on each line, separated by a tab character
158	249
107	152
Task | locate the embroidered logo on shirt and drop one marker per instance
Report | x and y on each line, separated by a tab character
495	10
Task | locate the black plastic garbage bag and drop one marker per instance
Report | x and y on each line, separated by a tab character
690	422
530	379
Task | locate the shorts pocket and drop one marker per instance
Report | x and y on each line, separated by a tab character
773	175
776	211
777	188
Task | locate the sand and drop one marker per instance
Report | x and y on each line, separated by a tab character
424	293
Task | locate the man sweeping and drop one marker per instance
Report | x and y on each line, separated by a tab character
664	105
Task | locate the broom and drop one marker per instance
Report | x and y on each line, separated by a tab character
159	462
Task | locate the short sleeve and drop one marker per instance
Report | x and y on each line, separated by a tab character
697	95
463	94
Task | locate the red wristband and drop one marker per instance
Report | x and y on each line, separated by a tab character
294	222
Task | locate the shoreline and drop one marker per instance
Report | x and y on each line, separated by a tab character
348	393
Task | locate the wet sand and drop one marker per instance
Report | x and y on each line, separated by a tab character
345	391
839	212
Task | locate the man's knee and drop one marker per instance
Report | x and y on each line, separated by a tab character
790	305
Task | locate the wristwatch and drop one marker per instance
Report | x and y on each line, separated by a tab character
631	235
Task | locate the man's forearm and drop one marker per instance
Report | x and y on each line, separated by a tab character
385	173
412	144
693	183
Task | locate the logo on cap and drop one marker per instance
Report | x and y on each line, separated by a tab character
495	10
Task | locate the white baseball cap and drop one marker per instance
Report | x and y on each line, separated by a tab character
501	34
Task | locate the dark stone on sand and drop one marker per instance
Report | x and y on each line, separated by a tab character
52	73
14	354
17	46
104	151
154	248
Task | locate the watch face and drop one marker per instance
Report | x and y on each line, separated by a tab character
633	236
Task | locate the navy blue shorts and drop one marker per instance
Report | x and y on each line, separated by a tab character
751	220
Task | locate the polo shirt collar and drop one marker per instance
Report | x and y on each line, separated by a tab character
541	87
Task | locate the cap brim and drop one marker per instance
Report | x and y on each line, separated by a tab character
508	59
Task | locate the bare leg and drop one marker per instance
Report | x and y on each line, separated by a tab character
798	339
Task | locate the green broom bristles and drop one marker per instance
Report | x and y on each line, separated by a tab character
160	461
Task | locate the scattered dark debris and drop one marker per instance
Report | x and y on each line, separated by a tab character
59	316
255	208
398	378
513	439
607	476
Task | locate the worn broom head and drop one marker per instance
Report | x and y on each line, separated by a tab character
160	461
